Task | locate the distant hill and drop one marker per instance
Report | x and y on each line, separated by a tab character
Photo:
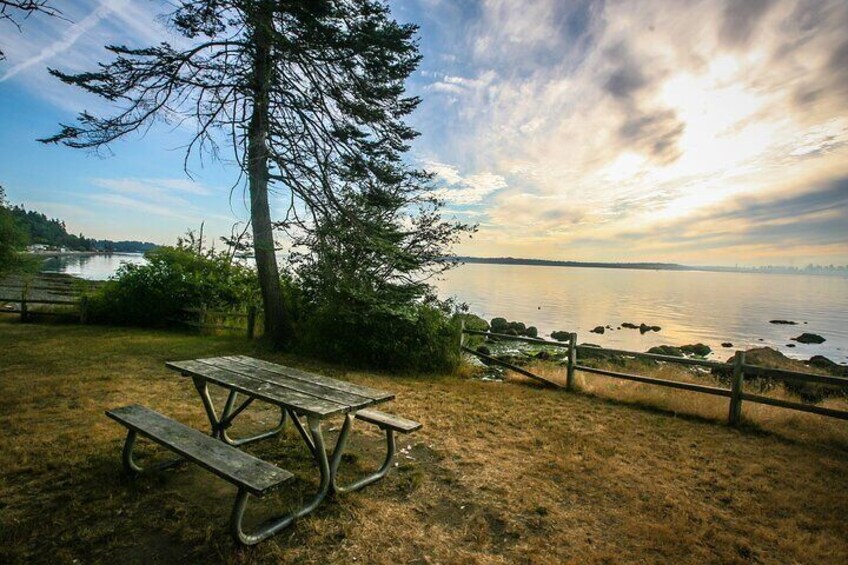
832	270
39	229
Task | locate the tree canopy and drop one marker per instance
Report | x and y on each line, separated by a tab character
309	99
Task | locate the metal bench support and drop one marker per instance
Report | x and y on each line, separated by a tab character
368	479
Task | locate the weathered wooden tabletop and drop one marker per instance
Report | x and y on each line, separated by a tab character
300	391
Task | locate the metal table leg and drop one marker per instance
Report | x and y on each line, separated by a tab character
220	423
274	525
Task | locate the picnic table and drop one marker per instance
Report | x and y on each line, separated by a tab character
298	394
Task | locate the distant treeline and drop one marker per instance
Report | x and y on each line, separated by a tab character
549	263
811	269
39	229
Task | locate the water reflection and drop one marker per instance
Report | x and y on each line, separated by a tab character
690	307
91	267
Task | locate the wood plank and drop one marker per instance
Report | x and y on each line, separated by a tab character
661	382
268	392
385	420
511	367
311	388
821	410
229	463
360	390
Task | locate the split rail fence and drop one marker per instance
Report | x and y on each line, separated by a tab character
739	369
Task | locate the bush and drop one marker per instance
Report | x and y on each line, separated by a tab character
174	278
421	337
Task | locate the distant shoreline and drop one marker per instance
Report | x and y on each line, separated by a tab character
646	266
57	254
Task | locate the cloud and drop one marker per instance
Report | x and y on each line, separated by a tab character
740	19
463	190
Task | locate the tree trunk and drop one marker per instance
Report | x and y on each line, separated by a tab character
276	318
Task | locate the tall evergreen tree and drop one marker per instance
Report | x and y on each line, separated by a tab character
309	95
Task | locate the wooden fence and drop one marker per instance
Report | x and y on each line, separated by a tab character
739	369
47	290
204	319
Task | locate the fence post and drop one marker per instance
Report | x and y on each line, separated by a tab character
572	361
83	306
251	322
24	304
735	416
461	334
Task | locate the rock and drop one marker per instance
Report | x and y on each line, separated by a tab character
561	335
823	362
809	338
544	356
630	326
644	328
727	344
484	350
790	345
783	322
519	327
532	331
598	330
697	349
669	350
474	322
499	324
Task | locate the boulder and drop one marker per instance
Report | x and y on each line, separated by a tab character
727	344
669	350
474	322
823	362
790	345
561	335
645	328
629	326
809	338
783	322
598	330
697	349
499	324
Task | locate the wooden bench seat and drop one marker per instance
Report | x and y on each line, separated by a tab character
237	467
388	421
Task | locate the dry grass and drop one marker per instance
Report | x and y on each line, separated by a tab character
501	473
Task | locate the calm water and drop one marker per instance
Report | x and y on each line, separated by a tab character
91	267
690	307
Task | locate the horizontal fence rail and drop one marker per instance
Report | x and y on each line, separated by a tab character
737	371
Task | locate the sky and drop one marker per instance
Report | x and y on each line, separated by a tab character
697	132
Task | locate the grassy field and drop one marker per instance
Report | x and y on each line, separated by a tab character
501	472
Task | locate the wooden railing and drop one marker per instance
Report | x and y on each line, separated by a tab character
203	316
48	290
739	369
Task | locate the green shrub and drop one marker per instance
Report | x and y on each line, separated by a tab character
174	279
422	337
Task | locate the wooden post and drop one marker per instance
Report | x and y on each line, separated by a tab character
461	335
24	305
572	361
251	322
735	415
83	306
